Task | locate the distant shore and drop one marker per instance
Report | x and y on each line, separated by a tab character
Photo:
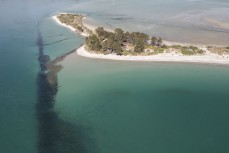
208	57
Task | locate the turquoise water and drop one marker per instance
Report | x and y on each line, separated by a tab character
58	40
146	107
107	106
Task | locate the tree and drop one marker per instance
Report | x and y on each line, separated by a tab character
109	45
139	46
138	35
164	46
117	48
100	31
102	34
128	38
119	35
93	43
154	41
79	28
159	42
119	52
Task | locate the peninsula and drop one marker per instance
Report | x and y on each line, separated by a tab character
137	46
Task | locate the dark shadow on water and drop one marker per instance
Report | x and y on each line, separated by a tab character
56	135
56	35
56	41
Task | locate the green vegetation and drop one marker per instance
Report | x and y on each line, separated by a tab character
79	28
75	21
156	41
158	50
218	50
121	43
72	20
139	46
93	43
127	43
187	50
176	46
155	49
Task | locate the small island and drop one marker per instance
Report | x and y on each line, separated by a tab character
124	45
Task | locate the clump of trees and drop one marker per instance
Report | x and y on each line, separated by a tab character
73	20
156	41
121	42
93	43
115	42
188	50
79	28
139	46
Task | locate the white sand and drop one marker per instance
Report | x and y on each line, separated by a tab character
89	26
164	57
62	24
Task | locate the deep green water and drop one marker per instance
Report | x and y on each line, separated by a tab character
104	106
19	69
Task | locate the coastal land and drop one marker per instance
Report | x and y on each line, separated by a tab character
137	46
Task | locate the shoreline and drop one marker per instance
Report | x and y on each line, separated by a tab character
165	57
69	27
207	58
166	42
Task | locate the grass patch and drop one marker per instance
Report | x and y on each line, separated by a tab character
156	49
176	46
125	53
199	51
187	52
159	50
150	47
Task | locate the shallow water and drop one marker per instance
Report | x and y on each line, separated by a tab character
145	106
58	40
190	21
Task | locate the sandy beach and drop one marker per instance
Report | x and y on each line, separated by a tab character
62	24
208	57
164	57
